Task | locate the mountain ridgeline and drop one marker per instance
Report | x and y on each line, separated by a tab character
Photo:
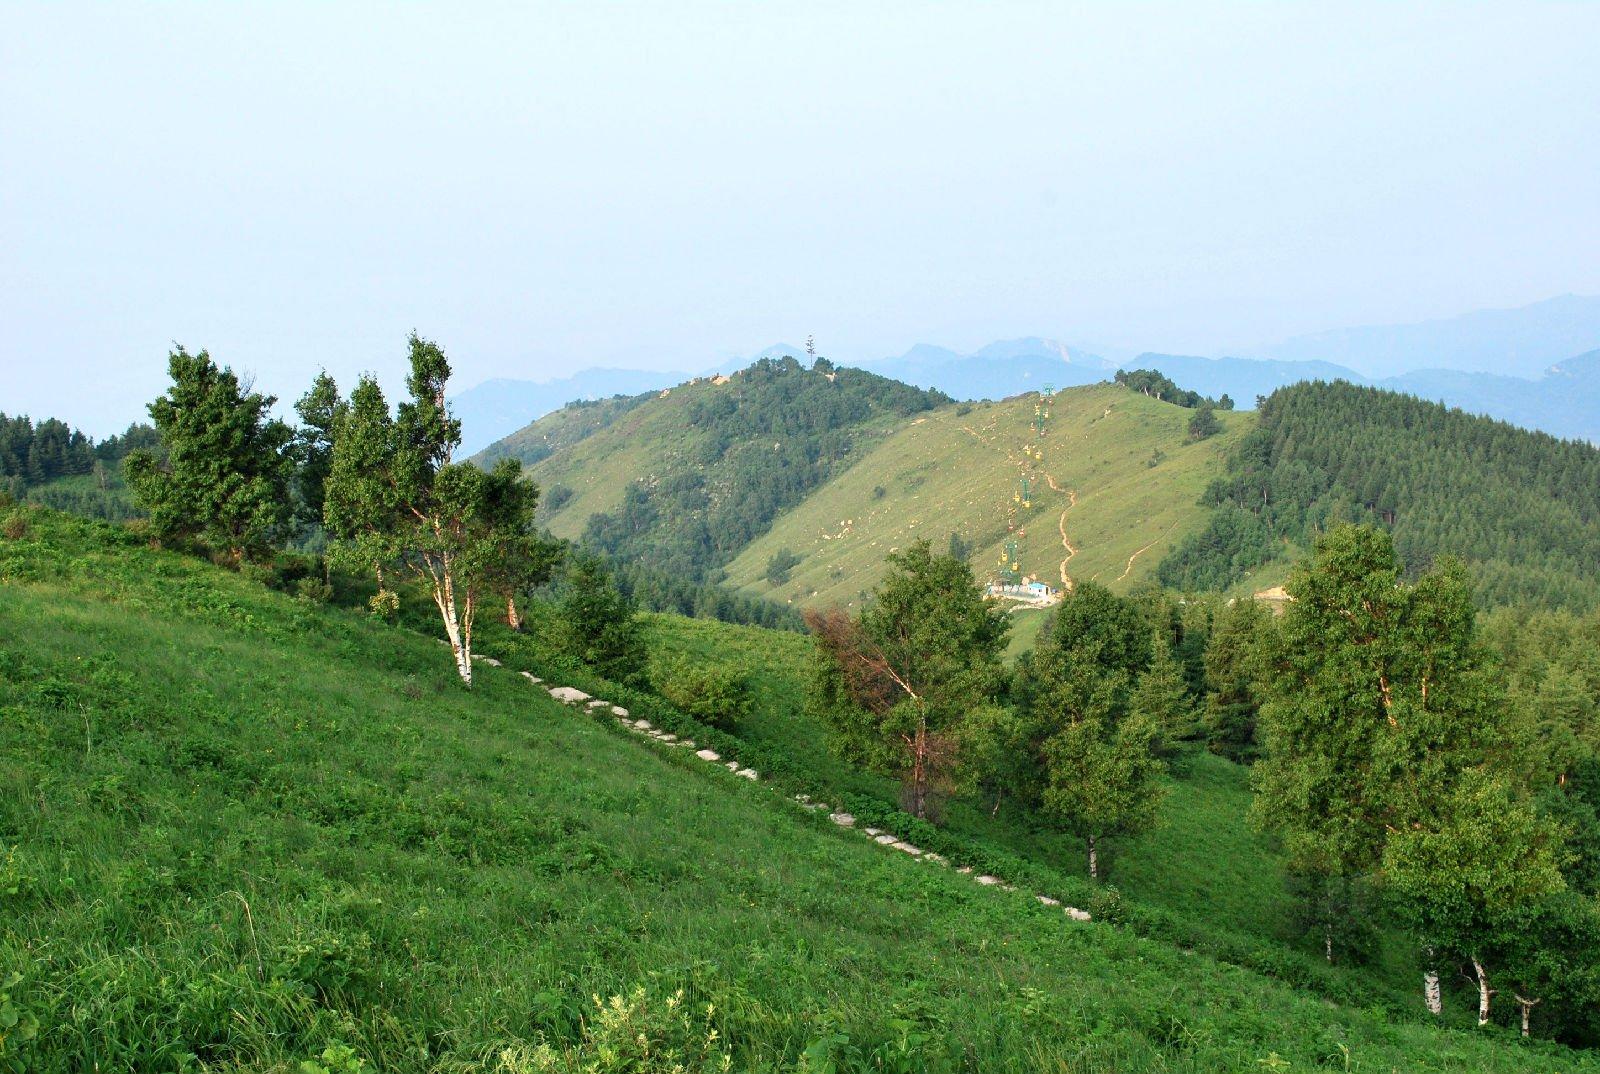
1522	508
823	471
687	482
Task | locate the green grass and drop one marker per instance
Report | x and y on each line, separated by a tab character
958	469
649	442
239	831
1203	869
1202	860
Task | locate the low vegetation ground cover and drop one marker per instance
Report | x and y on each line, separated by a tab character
245	832
1203	866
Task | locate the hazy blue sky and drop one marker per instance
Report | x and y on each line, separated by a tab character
659	184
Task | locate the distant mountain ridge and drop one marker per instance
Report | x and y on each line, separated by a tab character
1000	369
1534	366
1520	342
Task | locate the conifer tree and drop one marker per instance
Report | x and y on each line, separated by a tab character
1233	658
222	476
599	624
1161	697
319	411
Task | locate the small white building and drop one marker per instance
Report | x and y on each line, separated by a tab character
1028	591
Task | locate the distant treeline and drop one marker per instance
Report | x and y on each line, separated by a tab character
52	463
658	591
32	454
1522	508
1157	384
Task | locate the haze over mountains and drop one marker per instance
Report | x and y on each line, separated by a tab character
1521	342
1537	366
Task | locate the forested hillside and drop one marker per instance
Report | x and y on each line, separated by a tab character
561	429
1522	508
687	481
1424	814
52	463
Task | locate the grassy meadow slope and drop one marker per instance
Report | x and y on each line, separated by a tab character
562	429
1112	472
240	832
694	449
1203	862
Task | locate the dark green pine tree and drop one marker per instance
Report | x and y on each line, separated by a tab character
223	474
319	410
1233	661
598	624
1161	697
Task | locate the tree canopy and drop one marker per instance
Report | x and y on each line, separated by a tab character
222	476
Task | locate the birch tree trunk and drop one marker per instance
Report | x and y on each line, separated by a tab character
1094	860
1430	985
1527	1006
458	631
1484	992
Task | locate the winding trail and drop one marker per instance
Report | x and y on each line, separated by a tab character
1061	525
1072	550
1143	550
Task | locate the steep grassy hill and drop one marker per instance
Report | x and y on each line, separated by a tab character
683	480
239	832
1112	486
1203	865
562	428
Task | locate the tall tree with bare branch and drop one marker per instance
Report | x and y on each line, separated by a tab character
897	682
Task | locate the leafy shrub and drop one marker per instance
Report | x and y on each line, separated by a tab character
1106	905
335	1059
16	525
717	696
18	1025
384	604
556	497
778	567
1203	424
313	590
